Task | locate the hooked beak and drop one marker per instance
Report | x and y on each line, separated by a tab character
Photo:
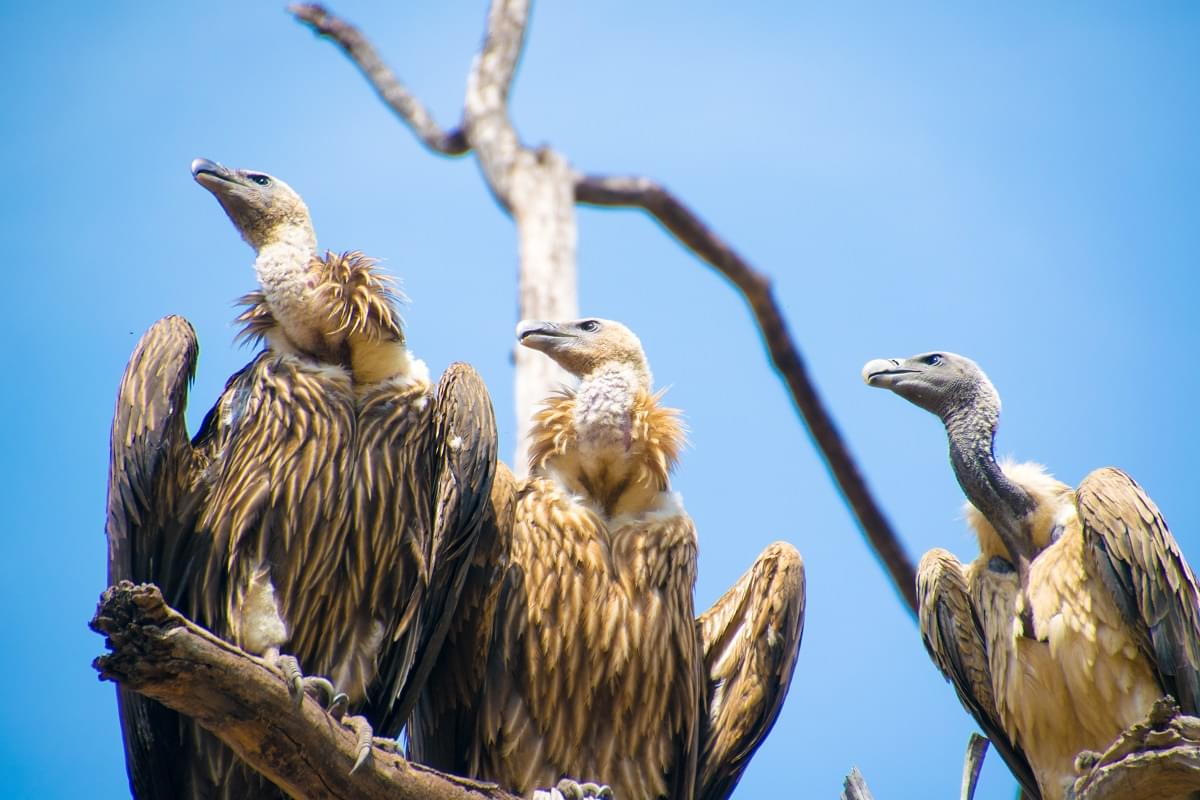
884	372
210	174
540	335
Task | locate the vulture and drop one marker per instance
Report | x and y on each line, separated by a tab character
576	655
327	512
1080	610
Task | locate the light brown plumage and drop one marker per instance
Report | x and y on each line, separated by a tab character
1108	618
595	666
319	512
751	639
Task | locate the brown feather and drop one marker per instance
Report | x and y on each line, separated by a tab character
751	640
1116	621
594	668
308	489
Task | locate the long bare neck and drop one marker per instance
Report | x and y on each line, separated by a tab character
603	407
283	268
971	428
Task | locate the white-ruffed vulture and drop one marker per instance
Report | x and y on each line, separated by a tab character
577	654
1080	611
329	507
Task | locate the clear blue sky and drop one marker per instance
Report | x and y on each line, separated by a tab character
1020	185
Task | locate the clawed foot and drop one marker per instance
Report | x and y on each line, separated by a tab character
364	736
320	689
568	789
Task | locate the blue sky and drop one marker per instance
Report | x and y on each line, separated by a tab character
1017	184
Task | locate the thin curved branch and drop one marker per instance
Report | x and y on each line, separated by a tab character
692	233
387	85
157	652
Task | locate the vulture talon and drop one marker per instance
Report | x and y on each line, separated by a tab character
320	689
290	668
366	738
338	705
569	789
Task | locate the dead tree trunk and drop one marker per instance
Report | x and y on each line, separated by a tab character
540	189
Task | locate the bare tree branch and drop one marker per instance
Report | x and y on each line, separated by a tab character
692	233
977	747
535	186
387	85
855	787
539	190
1158	757
159	653
486	119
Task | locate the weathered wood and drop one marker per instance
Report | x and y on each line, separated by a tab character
977	747
157	652
1158	757
535	186
855	787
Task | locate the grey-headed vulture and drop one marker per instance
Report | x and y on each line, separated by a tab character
580	656
326	513
1080	610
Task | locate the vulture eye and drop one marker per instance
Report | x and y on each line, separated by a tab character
932	360
261	180
589	326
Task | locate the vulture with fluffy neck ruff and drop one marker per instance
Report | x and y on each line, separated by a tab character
1080	610
589	663
326	513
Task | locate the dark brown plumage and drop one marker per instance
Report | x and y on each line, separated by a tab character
579	653
327	509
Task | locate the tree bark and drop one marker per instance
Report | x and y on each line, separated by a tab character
157	652
855	787
1158	757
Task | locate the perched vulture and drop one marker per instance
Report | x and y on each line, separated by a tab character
1080	611
329	507
577	654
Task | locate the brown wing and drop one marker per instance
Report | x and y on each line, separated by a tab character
282	441
1140	563
442	730
751	638
455	482
953	636
151	514
392	523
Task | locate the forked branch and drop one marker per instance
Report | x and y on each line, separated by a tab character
551	251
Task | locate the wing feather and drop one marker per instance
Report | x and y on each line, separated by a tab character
751	637
953	636
445	719
457	478
1140	563
149	535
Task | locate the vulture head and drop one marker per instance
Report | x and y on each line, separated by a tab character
941	383
263	208
584	347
